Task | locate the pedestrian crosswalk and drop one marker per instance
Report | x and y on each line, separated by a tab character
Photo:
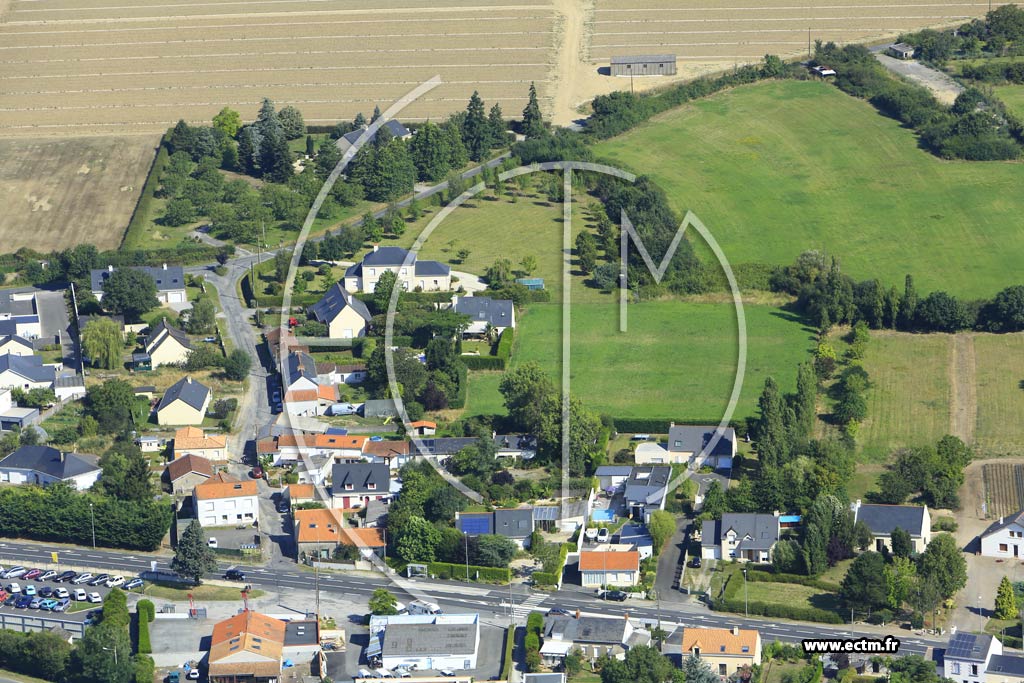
520	610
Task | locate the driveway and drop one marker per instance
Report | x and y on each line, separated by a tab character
666	582
940	84
469	282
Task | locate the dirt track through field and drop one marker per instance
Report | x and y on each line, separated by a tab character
963	412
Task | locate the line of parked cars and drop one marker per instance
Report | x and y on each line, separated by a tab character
55	599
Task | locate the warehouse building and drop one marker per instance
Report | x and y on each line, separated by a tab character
644	65
425	641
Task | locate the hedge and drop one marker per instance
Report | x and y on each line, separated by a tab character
535	623
144	613
777	611
510	643
149	188
651	425
449	570
146	607
553	578
505	343
483	362
459	400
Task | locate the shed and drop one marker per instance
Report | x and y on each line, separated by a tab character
900	51
142	362
531	282
644	65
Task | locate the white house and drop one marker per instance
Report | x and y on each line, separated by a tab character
43	465
19	315
485	313
424	275
223	500
646	490
612	477
25	372
1004	538
169	280
16	346
338	373
742	536
346	316
353	484
396	129
609	568
967	656
882	520
425	641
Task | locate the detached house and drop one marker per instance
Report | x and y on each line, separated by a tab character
882	520
1004	538
725	650
169	280
248	646
609	568
167	345
43	465
592	636
515	524
184	403
427	276
355	483
304	395
485	313
223	500
26	373
967	656
396	129
646	490
742	536
187	472
16	346
319	532
346	316
193	440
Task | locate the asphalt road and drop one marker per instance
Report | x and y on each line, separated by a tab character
455	596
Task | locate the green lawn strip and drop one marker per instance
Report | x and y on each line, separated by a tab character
203	592
999	375
721	157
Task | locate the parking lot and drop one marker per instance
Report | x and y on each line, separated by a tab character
76	610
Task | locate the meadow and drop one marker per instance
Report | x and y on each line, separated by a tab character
999	370
1013	97
777	168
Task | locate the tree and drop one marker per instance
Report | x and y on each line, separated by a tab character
496	124
864	584
586	251
291	123
418	540
202	318
771	433
533	120
606	276
526	389
462	254
125	473
714	501
383	602
1008	310
431	153
499	273
250	143
805	401
492	550
476	133
179	211
1006	600
194	557
129	292
908	305
443	504
899	578
104	653
228	121
696	671
940	312
902	546
644	664
383	290
862	535
103	343
943	562
237	365
661	527
111	405
115	608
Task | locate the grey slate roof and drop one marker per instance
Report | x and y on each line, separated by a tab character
544	678
613	471
883	519
969	647
396	129
432	269
634	533
16	339
387	256
647	484
1005	664
755	531
497	312
513	523
29	367
171	277
693	439
643	59
47	460
587	630
188	390
360	475
157	336
335	301
1003	522
515	442
447	445
300	364
9	328
380	407
424	640
65	381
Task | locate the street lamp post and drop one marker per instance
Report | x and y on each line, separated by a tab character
92	519
466	537
746	612
114	650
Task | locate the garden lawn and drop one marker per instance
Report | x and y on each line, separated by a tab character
1013	97
791	594
999	373
677	360
779	167
908	400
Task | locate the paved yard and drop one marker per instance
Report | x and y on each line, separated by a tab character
941	85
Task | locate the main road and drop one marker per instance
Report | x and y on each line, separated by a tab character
454	596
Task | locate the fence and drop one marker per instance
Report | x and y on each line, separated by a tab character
37	622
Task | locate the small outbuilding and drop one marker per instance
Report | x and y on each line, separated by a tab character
644	65
900	51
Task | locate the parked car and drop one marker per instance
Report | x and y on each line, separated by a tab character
192	675
617	596
257	472
174	677
234	575
99	579
14	572
10	600
115	581
80	594
36	602
30	590
62	605
590	534
283	507
32	574
95	598
696	562
60	593
603	535
447	673
13	588
48	575
212	542
82	578
133	584
23	602
3	595
559	612
66	576
46	592
48	604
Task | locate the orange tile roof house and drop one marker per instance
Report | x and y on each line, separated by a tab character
724	650
319	532
223	500
299	493
247	646
614	568
424	427
195	441
185	473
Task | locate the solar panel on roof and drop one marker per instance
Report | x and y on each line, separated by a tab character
475	525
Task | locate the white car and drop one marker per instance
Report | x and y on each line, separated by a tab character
590	534
61	593
95	597
14	588
447	673
82	578
603	535
192	675
80	594
115	581
212	542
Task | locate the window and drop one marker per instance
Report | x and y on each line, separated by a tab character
371	271
678	444
405	271
696	652
955	668
349	487
722	671
974	669
372	486
1003	548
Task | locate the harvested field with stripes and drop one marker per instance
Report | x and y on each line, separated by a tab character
108	67
1004	489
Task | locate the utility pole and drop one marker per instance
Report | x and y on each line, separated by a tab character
809	41
746	612
92	518
466	538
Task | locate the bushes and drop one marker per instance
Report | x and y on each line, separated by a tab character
144	613
138	219
553	578
510	643
448	570
531	643
647	425
505	343
535	623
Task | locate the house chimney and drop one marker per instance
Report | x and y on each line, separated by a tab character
62	454
165	266
110	269
376	247
671	425
777	513
735	630
856	506
1000	520
455	299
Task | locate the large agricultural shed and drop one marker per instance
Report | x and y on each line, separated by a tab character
644	65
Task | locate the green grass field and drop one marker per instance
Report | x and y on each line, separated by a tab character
908	402
677	360
1013	97
780	167
999	372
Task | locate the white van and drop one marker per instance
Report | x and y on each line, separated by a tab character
424	607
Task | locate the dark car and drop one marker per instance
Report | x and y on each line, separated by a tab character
283	507
45	592
234	575
66	576
617	596
696	563
100	579
559	612
11	600
24	601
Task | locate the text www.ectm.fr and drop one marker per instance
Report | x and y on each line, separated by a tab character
887	645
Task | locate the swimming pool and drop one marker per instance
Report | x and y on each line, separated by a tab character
603	515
